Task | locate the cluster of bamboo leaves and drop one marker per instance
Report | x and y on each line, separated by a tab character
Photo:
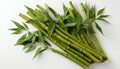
73	32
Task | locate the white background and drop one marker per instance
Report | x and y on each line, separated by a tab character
12	57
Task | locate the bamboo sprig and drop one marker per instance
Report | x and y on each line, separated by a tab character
71	32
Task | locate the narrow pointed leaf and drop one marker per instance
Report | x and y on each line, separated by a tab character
29	37
33	39
65	9
78	20
37	53
92	12
25	26
17	32
70	24
90	21
27	46
104	20
30	9
31	48
100	11
98	28
40	36
51	10
39	50
21	39
51	28
15	29
18	25
102	16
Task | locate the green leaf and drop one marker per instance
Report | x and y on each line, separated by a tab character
16	32
31	48
15	29
25	26
102	16
92	12
27	46
78	20
51	27
30	9
29	37
65	9
51	10
100	11
33	39
70	24
84	10
104	20
98	28
37	53
39	50
21	40
18	25
90	21
40	36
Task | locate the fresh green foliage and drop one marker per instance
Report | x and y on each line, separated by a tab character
73	33
98	28
100	11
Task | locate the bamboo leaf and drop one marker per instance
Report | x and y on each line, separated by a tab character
65	9
70	24
25	26
51	27
84	11
100	11
104	20
15	29
39	50
90	21
29	37
51	10
102	16
33	39
37	53
92	12
27	46
78	20
21	40
40	36
31	48
16	32
98	28
30	10
18	25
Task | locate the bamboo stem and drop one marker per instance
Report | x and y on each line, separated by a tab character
69	57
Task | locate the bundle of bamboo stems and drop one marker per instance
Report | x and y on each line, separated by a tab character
71	32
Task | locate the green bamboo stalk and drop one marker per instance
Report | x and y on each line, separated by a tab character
85	52
60	46
78	48
27	18
88	41
63	47
97	44
69	57
71	39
